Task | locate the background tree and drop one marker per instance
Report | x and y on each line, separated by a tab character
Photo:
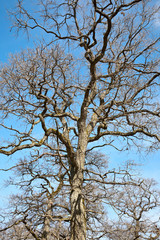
105	91
136	208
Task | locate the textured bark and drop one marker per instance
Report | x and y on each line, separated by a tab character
78	221
78	213
46	228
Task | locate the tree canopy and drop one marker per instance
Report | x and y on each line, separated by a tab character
92	83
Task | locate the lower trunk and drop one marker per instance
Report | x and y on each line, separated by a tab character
78	213
46	226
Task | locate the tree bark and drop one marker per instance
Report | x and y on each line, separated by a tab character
78	212
46	227
78	221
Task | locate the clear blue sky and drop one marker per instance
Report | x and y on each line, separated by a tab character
9	43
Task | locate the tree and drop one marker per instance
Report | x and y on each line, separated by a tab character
134	206
105	91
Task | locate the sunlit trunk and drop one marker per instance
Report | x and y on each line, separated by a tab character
78	222
78	212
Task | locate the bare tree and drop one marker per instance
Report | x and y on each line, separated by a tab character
42	203
137	208
100	88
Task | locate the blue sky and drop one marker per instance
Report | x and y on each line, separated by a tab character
9	43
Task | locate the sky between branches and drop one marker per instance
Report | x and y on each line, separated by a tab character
10	43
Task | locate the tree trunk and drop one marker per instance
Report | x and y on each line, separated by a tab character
78	212
78	221
46	227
